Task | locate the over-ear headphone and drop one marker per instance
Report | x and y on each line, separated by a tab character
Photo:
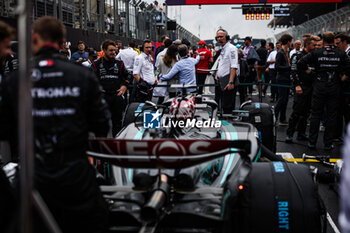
143	44
227	36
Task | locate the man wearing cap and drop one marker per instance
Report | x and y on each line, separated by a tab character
92	57
251	57
202	68
177	42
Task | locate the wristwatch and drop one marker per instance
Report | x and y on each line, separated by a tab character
230	82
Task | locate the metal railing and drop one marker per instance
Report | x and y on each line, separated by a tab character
128	18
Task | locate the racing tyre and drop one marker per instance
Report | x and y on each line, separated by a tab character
278	197
262	116
129	115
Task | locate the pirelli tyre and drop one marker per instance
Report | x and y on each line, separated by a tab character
262	116
278	197
129	114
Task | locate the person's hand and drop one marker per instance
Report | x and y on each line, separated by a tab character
156	82
298	90
121	90
229	87
308	71
267	69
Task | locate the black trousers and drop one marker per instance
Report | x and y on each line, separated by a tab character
200	79
301	111
226	99
72	195
324	94
343	117
251	79
9	205
267	80
242	90
282	101
274	89
116	107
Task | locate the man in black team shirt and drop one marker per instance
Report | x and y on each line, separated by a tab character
262	52
330	64
6	35
7	197
114	79
67	105
302	83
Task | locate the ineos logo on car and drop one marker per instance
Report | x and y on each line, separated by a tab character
164	148
168	148
199	147
139	148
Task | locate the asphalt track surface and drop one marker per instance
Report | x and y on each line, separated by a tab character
328	192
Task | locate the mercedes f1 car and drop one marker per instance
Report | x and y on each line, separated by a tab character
182	167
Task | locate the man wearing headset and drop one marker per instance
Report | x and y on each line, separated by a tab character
227	70
143	72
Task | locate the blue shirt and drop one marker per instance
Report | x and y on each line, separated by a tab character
185	69
78	55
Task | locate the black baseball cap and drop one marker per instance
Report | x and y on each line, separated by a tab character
93	53
248	38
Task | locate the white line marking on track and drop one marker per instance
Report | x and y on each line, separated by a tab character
287	155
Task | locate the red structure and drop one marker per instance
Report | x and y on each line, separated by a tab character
217	2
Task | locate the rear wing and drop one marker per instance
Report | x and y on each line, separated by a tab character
164	153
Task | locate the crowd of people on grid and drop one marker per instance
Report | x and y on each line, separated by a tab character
315	71
69	101
139	73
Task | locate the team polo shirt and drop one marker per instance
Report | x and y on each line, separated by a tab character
228	59
203	63
143	66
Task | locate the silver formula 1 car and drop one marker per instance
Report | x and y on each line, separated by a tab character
201	175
